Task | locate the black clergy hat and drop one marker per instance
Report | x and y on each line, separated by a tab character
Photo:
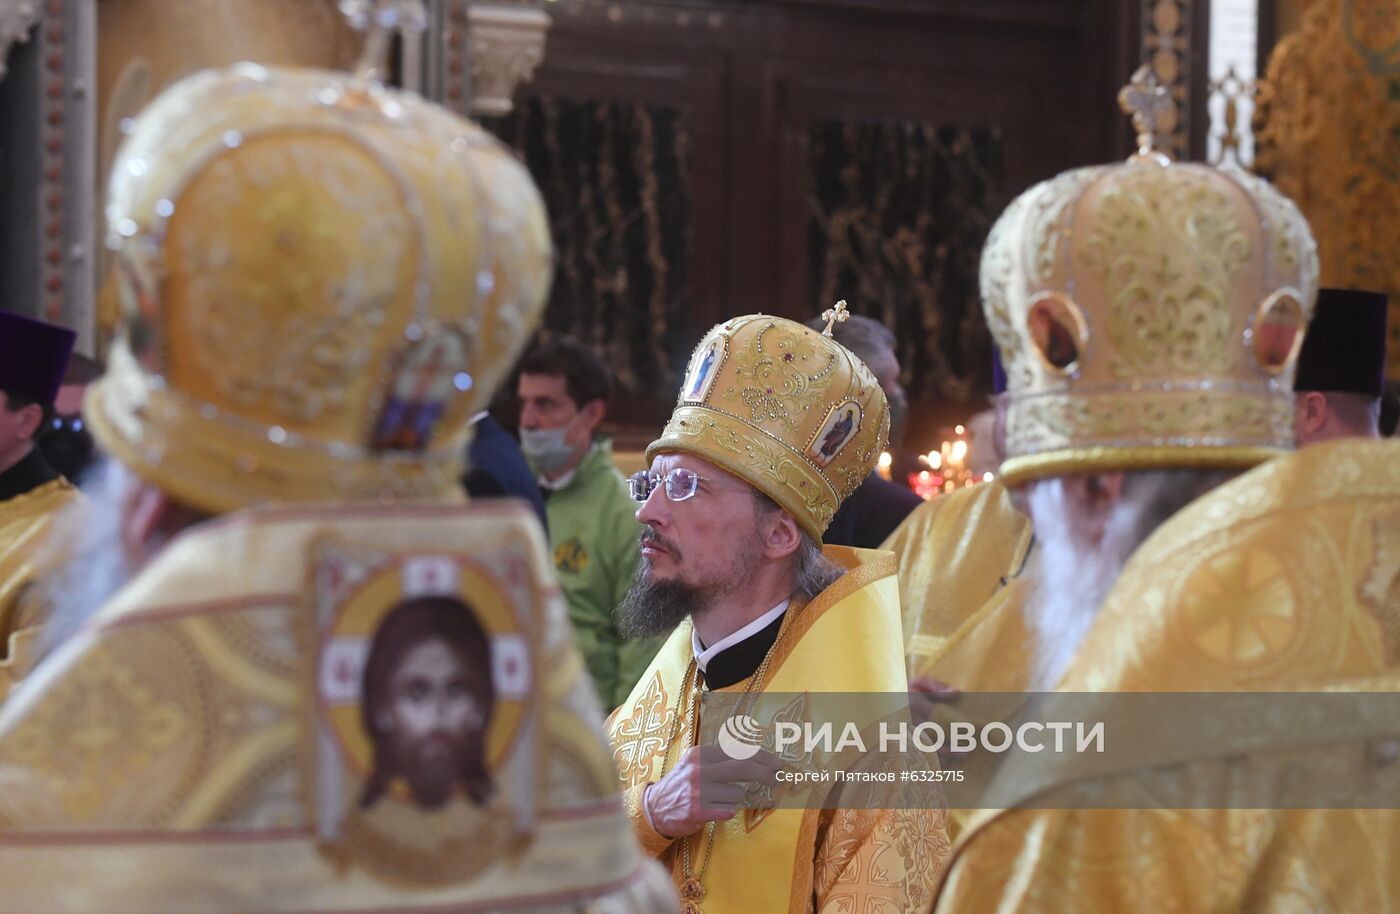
33	357
1344	348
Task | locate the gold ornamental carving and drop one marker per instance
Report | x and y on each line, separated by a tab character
1327	131
506	45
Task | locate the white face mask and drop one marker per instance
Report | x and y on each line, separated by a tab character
547	449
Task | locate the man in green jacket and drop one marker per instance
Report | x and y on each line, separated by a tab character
593	530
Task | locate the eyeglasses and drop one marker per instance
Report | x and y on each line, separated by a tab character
680	484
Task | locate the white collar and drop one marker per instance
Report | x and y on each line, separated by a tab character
560	484
703	654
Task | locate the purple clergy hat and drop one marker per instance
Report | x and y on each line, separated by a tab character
1344	348
33	357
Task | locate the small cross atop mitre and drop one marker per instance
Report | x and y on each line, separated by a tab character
387	14
835	315
1148	101
380	19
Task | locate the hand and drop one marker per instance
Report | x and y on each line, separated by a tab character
932	686
674	802
925	695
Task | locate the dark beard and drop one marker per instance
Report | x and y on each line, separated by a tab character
432	767
654	607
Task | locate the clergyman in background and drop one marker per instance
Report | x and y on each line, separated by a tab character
1341	368
877	506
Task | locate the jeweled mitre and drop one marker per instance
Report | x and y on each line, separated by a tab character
323	279
1148	314
785	408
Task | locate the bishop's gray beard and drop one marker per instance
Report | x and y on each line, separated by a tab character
1068	582
1070	578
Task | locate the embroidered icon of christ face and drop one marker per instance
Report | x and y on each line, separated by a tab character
428	698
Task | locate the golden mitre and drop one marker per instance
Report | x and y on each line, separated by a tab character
785	408
1149	314
323	279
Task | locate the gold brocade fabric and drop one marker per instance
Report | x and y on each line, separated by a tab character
24	522
792	861
955	553
1284	579
961	557
990	651
205	743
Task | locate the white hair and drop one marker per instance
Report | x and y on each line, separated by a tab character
1071	576
87	552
